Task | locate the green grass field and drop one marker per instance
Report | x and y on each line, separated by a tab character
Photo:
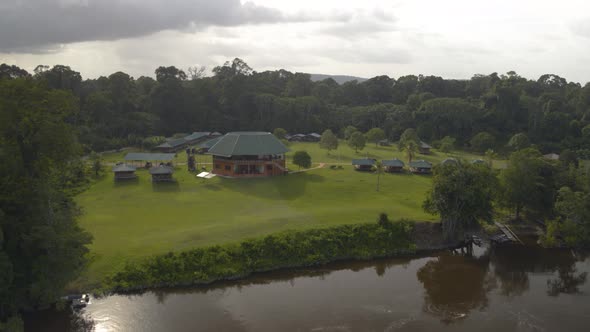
132	220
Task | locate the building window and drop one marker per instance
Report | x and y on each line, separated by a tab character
227	167
217	166
269	167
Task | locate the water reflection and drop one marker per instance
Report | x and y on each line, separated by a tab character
503	288
455	285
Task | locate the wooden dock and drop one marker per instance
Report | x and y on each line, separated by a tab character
506	235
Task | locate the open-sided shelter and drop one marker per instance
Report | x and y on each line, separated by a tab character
363	164
162	173
420	167
124	172
393	165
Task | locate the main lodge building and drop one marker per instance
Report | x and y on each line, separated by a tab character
248	154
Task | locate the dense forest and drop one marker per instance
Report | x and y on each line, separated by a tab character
483	112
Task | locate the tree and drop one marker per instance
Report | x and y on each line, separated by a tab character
13	71
196	72
482	142
302	159
528	183
375	135
357	141
447	144
518	142
461	194
490	155
42	247
96	163
378	170
349	130
409	143
280	133
328	141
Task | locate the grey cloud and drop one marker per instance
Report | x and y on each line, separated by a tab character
38	25
362	24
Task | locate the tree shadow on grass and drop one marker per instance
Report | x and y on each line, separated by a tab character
286	187
165	186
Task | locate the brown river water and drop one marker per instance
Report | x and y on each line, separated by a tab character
503	289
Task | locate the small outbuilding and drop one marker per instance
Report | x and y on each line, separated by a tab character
313	137
196	137
551	156
424	148
124	172
449	161
393	165
420	167
384	142
363	164
479	162
172	145
162	173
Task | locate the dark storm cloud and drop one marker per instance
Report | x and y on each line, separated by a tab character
38	25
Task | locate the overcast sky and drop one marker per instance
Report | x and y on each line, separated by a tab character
451	38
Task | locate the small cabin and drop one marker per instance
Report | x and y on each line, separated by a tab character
162	173
295	137
196	137
313	137
420	167
363	164
424	148
172	145
479	162
384	142
393	165
551	156
205	146
449	161
124	172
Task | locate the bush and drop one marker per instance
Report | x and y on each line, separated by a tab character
280	250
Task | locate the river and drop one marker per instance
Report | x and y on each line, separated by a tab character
504	289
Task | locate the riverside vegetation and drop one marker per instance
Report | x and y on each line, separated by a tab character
281	250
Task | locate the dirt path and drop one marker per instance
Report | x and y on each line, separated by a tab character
321	165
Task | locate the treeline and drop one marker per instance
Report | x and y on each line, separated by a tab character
42	248
119	110
281	250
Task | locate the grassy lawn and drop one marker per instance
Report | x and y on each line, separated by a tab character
136	219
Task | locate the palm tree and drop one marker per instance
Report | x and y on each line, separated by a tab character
379	171
490	156
410	147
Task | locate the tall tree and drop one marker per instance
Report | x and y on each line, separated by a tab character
528	183
409	143
357	141
375	135
41	245
328	141
461	194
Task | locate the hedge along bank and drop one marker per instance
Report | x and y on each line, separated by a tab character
281	250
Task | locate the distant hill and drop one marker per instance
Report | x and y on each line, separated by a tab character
338	78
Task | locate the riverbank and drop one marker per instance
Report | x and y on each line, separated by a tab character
288	249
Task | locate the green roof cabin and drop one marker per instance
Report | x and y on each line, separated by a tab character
393	165
162	173
363	164
248	154
205	146
420	167
124	172
449	161
424	148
